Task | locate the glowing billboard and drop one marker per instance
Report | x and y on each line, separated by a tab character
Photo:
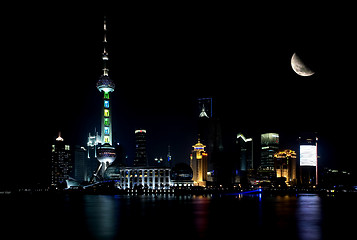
308	155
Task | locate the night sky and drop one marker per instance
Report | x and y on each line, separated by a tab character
162	58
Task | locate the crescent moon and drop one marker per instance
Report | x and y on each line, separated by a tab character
299	67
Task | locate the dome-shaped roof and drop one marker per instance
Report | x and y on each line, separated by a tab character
181	171
105	84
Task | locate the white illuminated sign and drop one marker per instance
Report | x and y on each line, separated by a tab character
308	155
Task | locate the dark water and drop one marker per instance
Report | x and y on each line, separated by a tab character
302	216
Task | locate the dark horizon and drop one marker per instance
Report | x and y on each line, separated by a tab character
161	62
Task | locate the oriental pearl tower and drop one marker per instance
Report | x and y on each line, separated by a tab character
105	152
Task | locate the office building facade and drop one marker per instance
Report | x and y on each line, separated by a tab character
140	177
141	158
269	146
61	163
308	160
285	166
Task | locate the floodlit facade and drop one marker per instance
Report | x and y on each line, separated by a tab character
285	166
105	152
198	164
140	177
308	160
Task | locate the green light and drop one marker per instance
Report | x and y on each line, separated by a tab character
106	95
106	121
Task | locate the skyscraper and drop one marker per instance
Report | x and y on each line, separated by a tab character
243	163
269	146
61	163
80	160
308	159
199	164
205	122
140	159
285	165
245	152
105	152
205	107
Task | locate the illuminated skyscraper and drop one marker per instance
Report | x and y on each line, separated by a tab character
140	149
61	163
199	164
243	163
105	152
205	107
269	146
245	151
308	160
285	165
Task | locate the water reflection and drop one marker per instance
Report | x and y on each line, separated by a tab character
199	217
200	214
308	216
101	215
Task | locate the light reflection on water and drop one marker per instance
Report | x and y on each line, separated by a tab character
187	217
109	217
309	217
101	215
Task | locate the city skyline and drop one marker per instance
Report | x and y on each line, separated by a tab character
162	67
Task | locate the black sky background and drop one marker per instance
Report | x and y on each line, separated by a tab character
162	58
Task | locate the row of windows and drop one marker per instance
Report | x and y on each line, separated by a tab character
139	173
150	180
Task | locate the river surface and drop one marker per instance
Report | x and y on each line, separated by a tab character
255	216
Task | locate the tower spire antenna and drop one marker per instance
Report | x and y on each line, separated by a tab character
105	53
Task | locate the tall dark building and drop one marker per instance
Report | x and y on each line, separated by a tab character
205	107
205	122
210	134
140	148
245	152
61	163
80	160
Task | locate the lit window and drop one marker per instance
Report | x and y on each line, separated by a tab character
106	112
106	139
106	104
106	121
106	95
106	130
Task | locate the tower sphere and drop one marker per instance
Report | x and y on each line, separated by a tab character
106	154
105	84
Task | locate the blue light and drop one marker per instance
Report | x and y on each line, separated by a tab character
246	192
